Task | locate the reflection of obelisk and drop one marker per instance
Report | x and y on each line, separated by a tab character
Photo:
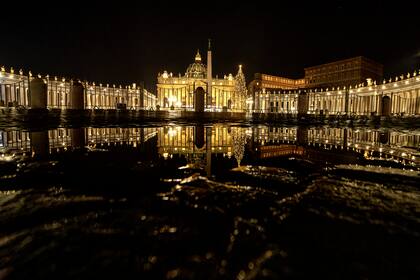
199	136
39	143
345	138
141	135
209	75
208	150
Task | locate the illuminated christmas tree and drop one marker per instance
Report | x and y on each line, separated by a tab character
239	139
240	93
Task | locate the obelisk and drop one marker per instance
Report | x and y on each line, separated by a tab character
209	76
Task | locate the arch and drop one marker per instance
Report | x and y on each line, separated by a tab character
386	106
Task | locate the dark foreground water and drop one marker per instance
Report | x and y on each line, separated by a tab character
210	202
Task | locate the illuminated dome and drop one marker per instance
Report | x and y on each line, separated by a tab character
196	69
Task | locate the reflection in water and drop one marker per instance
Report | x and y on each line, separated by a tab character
198	143
283	141
208	150
238	143
78	137
39	143
199	136
209	202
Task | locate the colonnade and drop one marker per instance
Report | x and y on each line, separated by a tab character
276	101
400	97
181	97
15	91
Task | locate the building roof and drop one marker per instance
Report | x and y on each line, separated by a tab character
196	69
344	61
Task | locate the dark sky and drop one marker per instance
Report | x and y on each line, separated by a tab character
126	42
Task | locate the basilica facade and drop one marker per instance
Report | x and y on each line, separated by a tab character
227	94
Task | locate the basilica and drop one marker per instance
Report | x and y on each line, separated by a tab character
227	94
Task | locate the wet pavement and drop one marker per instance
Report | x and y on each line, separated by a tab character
209	201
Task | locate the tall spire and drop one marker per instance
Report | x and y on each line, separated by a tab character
209	76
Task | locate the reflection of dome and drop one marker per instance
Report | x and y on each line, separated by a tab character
196	69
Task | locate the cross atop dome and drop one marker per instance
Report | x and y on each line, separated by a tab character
198	56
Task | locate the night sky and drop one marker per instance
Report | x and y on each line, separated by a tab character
125	42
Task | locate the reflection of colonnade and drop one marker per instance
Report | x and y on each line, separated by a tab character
61	139
336	136
180	140
131	136
397	145
218	139
198	143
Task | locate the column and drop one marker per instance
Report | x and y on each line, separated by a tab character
365	103
163	92
303	103
411	95
77	93
2	95
38	94
357	104
399	109
392	103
